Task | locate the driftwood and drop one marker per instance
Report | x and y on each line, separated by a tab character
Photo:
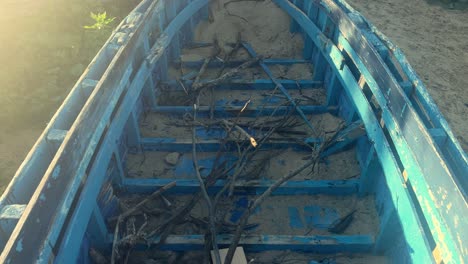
198	86
255	204
216	50
132	211
247	156
340	225
253	142
229	56
204	192
245	217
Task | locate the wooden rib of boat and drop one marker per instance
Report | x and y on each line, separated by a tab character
171	147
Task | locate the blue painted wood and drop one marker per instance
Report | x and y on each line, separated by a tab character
344	72
370	167
333	89
55	138
320	64
308	43
411	139
235	63
190	186
430	213
387	232
120	170
87	87
294	27
97	230
69	248
453	152
180	145
171	12
28	176
48	196
255	243
407	87
345	138
217	132
9	216
233	111
88	128
159	49
439	136
133	133
410	224
150	95
258	84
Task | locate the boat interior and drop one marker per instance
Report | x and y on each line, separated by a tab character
262	122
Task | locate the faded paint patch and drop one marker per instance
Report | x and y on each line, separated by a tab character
405	176
19	246
449	206
56	172
436	254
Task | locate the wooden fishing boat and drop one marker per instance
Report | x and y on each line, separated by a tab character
292	131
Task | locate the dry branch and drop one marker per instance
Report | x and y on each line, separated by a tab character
131	211
203	190
245	217
227	75
253	142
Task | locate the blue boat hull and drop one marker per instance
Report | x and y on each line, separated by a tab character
59	206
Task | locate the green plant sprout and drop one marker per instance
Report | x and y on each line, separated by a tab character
101	21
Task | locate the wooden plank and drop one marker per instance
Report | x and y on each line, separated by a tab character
29	174
87	130
72	236
455	155
418	151
410	223
196	64
249	111
298	187
345	138
55	137
185	145
255	243
258	84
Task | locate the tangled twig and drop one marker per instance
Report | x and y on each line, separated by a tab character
243	220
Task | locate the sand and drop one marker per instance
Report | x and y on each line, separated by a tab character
267	31
435	40
277	214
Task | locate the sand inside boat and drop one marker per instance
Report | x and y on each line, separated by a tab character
266	28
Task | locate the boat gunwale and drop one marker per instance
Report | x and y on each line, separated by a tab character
412	75
76	91
386	156
438	221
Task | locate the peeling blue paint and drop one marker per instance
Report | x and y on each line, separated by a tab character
19	245
56	172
